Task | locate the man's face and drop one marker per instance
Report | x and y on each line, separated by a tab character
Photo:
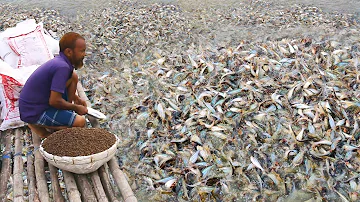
78	53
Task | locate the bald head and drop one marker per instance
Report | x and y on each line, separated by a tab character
69	40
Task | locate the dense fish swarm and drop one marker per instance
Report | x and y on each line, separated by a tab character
247	103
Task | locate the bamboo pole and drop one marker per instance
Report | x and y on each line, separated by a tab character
120	179
18	168
72	190
99	190
57	195
40	171
104	177
112	180
87	193
94	122
33	194
5	169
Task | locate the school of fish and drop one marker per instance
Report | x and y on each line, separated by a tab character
258	117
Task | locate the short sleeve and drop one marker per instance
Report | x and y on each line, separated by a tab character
60	77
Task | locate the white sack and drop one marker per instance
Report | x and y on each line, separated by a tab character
11	83
26	45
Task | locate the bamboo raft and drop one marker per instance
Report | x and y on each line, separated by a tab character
108	183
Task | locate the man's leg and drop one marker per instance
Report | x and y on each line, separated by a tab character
38	130
71	86
56	119
41	131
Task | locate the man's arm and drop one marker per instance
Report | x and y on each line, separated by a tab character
80	101
58	102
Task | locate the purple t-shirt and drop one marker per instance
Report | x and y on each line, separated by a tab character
51	76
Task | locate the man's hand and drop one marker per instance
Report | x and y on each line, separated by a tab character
80	101
81	110
58	102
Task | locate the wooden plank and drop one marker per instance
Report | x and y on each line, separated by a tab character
5	169
104	177
99	190
112	181
33	194
120	179
57	195
18	168
30	169
40	171
87	193
71	188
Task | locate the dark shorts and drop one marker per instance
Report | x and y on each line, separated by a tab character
57	117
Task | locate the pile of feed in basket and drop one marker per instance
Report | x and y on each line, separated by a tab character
78	142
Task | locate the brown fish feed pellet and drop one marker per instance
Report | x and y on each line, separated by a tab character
78	142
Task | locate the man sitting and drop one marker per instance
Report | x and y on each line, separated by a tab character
48	98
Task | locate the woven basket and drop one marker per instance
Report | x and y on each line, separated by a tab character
80	164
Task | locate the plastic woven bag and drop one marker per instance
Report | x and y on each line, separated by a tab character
30	47
22	49
11	83
26	45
